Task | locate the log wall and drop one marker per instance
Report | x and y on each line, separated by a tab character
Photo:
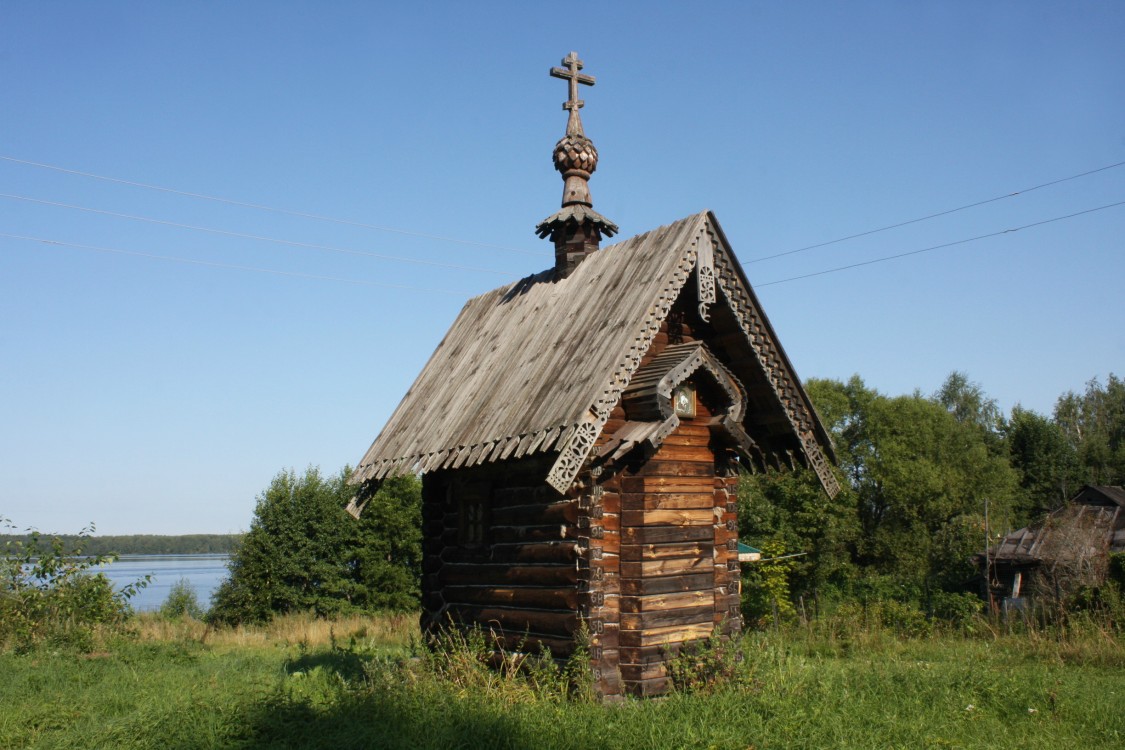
520	580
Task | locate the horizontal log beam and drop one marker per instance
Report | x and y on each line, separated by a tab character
564	511
665	635
666	567
659	602
536	533
549	576
669	501
646	621
653	552
529	552
685	517
515	621
522	596
647	485
659	467
658	534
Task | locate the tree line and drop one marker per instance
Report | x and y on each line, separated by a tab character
927	481
143	544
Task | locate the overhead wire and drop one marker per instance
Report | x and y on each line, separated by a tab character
262	207
936	215
242	235
469	242
232	266
937	247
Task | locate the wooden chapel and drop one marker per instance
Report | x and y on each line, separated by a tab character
580	433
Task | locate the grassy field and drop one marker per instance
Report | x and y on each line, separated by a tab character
306	684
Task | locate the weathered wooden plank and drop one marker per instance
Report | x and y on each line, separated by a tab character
657	602
675	517
660	534
564	511
677	484
687	440
646	621
669	501
525	575
503	534
559	552
686	453
645	484
644	655
701	581
666	567
652	552
632	673
523	596
611	502
658	467
665	634
517	620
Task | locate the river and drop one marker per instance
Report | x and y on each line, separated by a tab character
203	573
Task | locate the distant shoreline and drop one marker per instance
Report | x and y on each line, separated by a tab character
140	544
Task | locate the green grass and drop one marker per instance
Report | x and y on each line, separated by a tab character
796	691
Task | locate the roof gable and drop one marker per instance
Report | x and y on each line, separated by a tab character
537	365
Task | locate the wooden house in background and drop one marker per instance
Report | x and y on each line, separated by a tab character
1052	558
580	434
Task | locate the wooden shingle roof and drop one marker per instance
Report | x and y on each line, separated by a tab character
535	366
1094	519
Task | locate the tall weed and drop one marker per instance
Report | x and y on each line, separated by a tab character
50	593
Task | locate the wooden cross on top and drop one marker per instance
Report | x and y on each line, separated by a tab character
570	73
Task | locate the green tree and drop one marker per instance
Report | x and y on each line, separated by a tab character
387	561
304	552
915	473
923	488
181	602
970	405
1047	462
1094	423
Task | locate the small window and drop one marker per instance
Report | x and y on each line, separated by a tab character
472	513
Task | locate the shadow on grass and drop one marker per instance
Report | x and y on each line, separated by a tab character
384	719
346	664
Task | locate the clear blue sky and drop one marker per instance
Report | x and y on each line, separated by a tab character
156	396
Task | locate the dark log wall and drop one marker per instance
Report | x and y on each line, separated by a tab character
518	581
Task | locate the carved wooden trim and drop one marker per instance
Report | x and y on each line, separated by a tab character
705	276
769	359
574	453
693	357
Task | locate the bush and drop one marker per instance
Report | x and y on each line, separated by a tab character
50	594
959	610
181	602
707	666
305	553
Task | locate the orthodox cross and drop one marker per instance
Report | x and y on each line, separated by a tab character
571	74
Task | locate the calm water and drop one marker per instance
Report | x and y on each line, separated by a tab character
203	573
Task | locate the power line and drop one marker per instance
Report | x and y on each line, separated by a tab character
934	216
260	207
242	235
232	266
938	247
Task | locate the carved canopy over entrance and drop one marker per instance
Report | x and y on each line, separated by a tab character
648	402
